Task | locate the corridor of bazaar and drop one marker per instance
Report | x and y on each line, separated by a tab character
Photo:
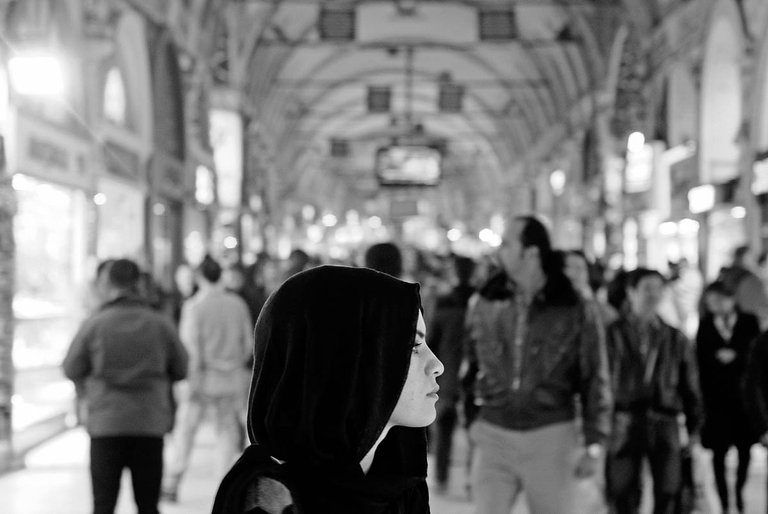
166	130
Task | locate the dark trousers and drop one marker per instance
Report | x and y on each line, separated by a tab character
446	424
718	466
638	436
143	456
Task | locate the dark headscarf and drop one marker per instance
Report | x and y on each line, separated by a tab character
333	348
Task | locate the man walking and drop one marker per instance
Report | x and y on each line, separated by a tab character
655	380
216	328
127	356
537	347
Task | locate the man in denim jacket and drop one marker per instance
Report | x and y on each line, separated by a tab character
537	347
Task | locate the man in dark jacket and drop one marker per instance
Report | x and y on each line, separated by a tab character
654	380
537	347
756	388
128	356
446	334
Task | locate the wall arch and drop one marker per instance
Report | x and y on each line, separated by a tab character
721	95
131	40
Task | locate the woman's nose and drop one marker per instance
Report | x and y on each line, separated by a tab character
435	366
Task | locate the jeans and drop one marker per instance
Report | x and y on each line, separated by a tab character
143	456
635	437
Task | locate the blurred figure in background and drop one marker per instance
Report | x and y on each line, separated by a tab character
756	388
185	287
298	261
685	285
747	287
386	258
722	347
537	348
265	274
128	356
236	281
216	330
579	270
446	334
654	379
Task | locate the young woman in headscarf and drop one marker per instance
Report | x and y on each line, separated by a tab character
343	387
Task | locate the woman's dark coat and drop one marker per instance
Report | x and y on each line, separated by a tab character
333	348
726	421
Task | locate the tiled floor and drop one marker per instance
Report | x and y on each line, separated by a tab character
55	480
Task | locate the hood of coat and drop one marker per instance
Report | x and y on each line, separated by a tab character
332	351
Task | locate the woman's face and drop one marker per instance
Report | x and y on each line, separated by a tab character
577	271
416	406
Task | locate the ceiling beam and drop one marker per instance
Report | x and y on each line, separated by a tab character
471	83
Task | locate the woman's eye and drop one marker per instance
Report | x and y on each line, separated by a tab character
416	346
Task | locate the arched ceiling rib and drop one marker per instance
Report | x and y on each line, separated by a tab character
299	85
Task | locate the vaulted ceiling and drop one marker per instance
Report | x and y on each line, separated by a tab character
304	90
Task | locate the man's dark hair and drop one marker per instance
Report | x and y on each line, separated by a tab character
124	274
465	268
558	290
210	269
635	276
718	287
739	254
385	257
103	266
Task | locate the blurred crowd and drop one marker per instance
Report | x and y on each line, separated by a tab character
665	364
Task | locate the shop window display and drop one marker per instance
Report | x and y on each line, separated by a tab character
50	279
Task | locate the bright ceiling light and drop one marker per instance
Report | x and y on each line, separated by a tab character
37	74
329	220
557	181
635	142
454	234
668	228
739	212
687	227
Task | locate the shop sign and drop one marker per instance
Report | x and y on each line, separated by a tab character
683	176
701	198
227	142
205	193
121	161
46	152
760	175
168	175
639	170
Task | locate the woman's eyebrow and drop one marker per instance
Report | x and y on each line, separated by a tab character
420	334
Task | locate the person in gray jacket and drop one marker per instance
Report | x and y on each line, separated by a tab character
216	329
127	356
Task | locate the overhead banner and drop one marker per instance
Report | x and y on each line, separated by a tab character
227	142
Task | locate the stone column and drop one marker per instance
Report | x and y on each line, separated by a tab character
7	250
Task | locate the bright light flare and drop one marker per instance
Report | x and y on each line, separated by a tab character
739	212
37	74
635	142
454	235
329	220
